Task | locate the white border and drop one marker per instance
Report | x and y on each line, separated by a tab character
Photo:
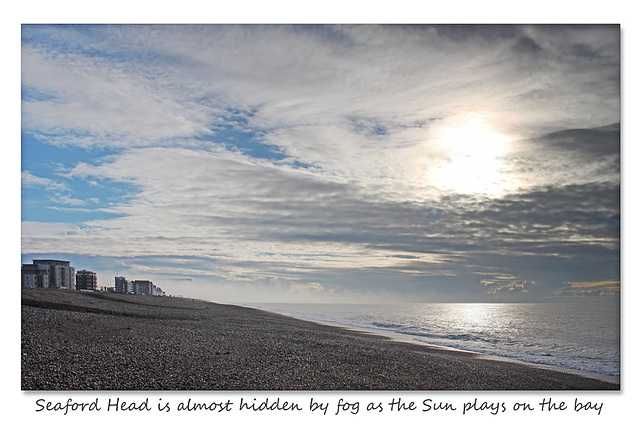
18	408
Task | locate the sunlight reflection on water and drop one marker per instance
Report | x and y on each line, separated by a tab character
583	336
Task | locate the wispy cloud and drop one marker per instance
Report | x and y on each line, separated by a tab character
598	288
29	180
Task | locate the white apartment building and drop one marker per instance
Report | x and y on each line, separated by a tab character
35	275
49	273
143	287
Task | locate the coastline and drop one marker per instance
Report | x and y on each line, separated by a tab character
407	339
105	341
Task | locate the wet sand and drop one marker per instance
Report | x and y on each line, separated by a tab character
107	341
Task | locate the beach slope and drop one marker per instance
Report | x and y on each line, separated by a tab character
105	341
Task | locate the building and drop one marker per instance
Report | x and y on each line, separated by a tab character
61	274
138	287
143	287
123	286
49	273
35	275
86	280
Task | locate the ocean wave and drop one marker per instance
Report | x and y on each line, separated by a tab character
529	333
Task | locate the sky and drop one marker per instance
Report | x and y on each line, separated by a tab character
326	162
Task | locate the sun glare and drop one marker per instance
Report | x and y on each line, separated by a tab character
473	157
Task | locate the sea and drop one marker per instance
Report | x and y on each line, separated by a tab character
582	336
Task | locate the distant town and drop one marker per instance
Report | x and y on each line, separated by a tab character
60	274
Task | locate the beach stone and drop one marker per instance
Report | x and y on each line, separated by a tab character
106	341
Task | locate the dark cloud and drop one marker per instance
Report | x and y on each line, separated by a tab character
592	142
526	45
559	231
565	157
464	32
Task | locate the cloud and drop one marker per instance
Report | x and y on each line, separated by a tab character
566	157
30	180
309	154
176	84
66	200
508	287
96	103
248	220
58	193
590	289
34	231
355	102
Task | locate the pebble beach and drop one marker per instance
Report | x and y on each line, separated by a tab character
106	341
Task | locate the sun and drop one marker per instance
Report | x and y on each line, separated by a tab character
473	153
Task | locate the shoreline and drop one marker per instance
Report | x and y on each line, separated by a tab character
407	339
105	341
